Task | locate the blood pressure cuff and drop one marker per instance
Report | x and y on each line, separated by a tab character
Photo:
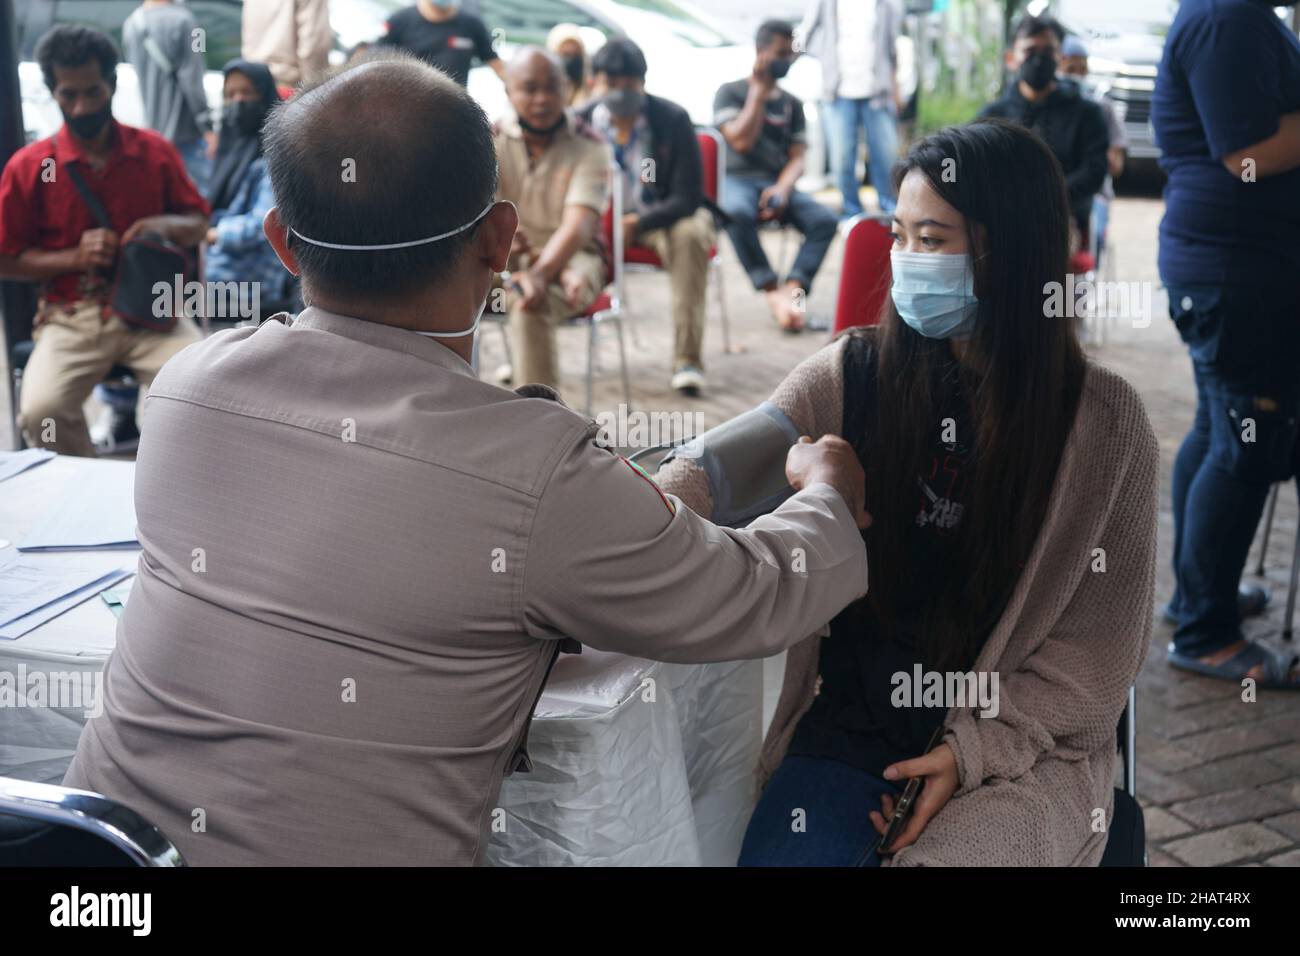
744	460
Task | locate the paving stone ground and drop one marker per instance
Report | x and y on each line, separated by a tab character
1219	778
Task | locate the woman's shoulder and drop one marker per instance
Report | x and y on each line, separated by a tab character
1112	415
812	394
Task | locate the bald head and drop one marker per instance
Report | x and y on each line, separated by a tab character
387	150
534	62
537	88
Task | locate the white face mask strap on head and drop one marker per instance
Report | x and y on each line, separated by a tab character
377	247
455	335
405	245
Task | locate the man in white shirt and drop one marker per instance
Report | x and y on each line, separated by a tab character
855	40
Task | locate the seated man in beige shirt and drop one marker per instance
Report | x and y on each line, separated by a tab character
359	560
555	168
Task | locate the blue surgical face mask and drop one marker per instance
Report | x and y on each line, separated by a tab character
934	293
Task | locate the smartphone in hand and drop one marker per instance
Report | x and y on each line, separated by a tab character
906	803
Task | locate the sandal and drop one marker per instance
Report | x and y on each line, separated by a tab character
1235	668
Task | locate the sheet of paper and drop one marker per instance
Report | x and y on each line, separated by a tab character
27	586
29	622
13	462
99	514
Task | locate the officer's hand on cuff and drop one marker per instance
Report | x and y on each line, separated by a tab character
832	460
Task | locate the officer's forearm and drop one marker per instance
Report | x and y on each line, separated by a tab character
793	571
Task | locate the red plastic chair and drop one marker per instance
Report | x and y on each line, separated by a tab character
713	160
865	276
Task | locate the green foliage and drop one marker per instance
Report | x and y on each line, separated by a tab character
938	110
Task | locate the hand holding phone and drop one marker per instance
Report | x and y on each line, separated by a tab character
912	797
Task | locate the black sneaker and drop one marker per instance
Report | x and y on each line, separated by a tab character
116	432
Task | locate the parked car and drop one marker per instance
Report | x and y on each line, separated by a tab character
1125	40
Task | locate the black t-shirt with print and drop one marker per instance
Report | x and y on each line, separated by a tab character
450	45
783	126
853	718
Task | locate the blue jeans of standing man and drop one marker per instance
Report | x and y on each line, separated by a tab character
845	118
1245	348
813	812
194	155
1100	220
817	223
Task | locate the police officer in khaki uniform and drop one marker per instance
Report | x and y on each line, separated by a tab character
359	560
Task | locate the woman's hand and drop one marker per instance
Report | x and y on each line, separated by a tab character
939	768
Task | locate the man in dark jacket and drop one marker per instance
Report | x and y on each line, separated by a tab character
655	147
1069	122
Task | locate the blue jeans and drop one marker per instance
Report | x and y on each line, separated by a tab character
817	223
1100	220
845	119
1245	344
195	157
834	799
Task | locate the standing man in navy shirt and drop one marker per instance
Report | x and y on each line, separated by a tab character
1226	113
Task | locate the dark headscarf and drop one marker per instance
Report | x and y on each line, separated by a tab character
236	147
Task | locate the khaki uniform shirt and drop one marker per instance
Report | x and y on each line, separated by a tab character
572	171
357	561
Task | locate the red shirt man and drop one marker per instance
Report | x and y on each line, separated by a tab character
48	235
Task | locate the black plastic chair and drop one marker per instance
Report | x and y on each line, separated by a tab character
46	825
1126	843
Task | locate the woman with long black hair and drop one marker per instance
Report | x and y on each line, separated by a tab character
1012	489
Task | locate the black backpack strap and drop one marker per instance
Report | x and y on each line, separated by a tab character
90	199
859	398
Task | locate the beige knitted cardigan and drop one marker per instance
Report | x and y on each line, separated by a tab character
1037	780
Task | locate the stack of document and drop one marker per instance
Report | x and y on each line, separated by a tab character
90	516
35	591
14	462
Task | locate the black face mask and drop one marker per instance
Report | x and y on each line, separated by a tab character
573	68
243	116
1039	70
779	68
624	103
528	127
88	125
